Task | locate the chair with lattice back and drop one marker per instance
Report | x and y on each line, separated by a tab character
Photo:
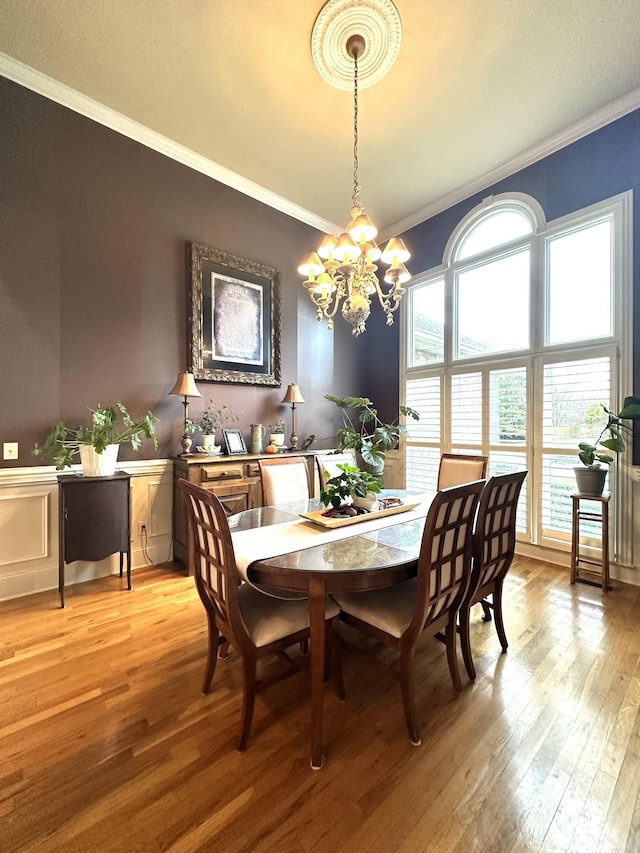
255	624
428	604
494	543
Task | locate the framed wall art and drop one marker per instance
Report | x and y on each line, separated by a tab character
234	441
234	318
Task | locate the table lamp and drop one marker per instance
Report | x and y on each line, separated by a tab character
293	396
185	387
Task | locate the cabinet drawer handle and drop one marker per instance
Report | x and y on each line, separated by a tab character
231	474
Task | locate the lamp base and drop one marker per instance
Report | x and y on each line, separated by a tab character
293	441
186	443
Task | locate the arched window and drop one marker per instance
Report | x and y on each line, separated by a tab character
512	345
492	230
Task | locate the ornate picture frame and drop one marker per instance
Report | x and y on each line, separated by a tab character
234	441
234	318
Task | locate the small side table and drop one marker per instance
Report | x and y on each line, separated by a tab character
94	520
577	560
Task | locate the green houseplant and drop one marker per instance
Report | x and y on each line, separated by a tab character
364	432
350	483
591	477
276	432
210	421
110	427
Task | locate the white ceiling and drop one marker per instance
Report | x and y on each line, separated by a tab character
480	88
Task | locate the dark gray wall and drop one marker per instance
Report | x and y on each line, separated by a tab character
94	281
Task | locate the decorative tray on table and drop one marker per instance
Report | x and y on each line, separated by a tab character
337	518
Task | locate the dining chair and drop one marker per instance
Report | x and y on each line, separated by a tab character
494	542
328	462
284	479
458	468
427	604
255	624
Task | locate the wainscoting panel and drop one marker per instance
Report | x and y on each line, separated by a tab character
29	527
24	522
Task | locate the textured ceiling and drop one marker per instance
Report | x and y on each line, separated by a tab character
477	87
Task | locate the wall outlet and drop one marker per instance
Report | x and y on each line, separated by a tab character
10	450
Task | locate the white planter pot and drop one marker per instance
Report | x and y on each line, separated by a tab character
209	443
277	438
99	464
369	501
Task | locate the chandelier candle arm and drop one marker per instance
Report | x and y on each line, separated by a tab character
342	273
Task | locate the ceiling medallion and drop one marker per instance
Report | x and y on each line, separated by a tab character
377	21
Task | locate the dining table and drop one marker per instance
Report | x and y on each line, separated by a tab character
284	553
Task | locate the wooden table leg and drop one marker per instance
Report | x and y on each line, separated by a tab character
317	593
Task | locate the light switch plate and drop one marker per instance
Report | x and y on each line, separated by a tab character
10	450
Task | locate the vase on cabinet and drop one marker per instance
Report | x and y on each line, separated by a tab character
99	464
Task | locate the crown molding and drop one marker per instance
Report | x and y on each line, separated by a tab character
613	111
62	94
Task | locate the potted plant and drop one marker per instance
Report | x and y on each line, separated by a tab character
209	422
365	433
590	477
351	486
98	443
276	435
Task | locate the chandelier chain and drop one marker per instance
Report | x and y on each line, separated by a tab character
355	201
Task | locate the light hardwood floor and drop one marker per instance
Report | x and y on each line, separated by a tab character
107	745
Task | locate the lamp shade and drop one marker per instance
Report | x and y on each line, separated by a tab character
311	265
185	386
362	229
293	395
395	250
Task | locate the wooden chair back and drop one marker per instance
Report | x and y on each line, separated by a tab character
212	560
398	616
494	538
444	565
328	462
458	468
284	479
240	615
494	543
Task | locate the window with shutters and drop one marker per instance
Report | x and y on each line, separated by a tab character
514	344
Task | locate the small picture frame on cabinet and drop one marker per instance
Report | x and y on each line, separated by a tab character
234	441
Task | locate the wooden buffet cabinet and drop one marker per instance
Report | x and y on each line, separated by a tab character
235	480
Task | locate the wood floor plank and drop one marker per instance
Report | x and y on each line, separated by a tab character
106	743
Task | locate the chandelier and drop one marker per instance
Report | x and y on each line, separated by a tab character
342	273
